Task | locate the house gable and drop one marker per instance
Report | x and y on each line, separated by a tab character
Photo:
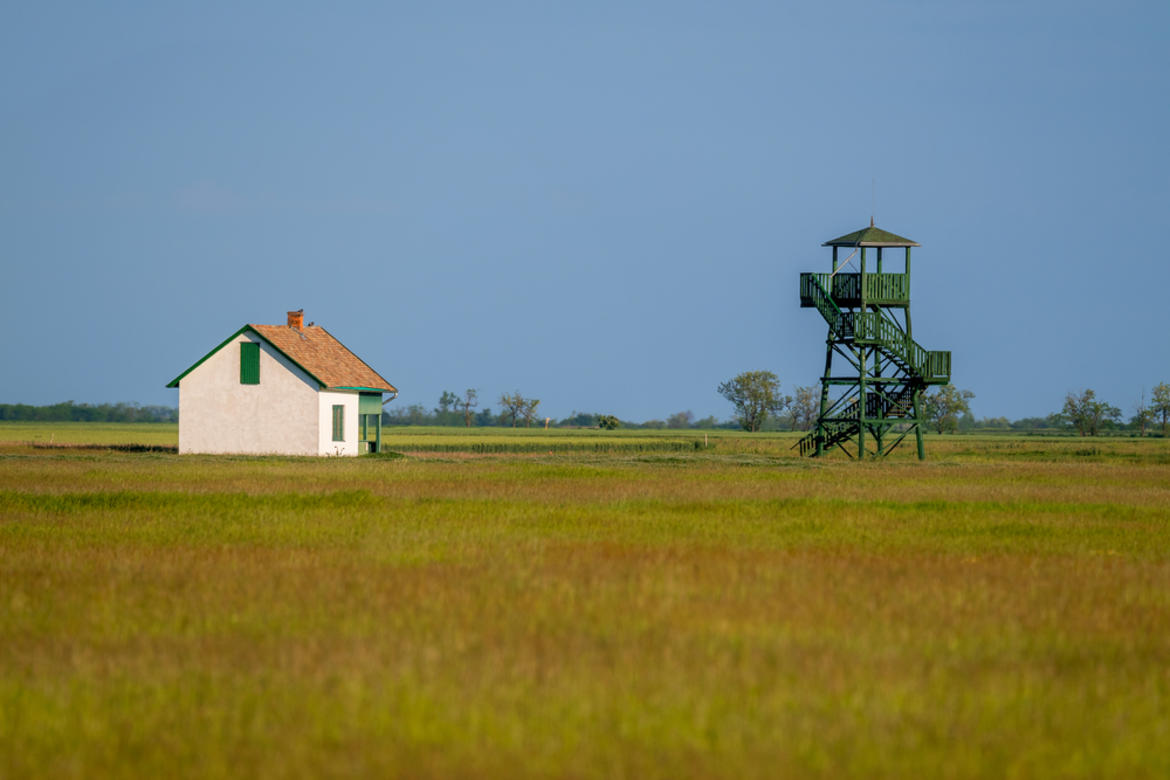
246	329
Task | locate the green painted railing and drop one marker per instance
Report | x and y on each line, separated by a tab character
845	289
938	367
871	327
813	291
934	367
887	288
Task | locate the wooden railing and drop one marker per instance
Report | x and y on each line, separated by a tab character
845	289
938	367
887	288
933	366
873	327
813	291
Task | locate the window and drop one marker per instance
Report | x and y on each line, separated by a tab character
338	422
249	363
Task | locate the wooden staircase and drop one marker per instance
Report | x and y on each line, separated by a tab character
888	398
877	329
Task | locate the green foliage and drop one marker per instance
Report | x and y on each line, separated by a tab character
946	406
1143	415
517	407
469	401
608	422
414	414
1087	414
755	395
1161	403
447	402
1051	422
806	407
69	411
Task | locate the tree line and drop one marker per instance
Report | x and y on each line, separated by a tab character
1082	412
757	400
518	410
68	411
463	409
756	397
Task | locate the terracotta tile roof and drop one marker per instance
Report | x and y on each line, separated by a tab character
314	349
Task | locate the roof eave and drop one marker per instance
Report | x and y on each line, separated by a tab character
364	363
871	243
388	389
175	382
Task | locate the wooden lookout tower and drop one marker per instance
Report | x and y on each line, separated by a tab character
874	398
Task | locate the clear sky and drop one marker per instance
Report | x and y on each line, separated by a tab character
603	205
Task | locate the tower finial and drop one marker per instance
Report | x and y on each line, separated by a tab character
871	220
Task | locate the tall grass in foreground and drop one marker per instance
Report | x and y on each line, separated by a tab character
586	615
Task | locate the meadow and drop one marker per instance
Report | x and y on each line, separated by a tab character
553	607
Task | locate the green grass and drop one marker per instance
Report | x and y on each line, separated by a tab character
1000	610
166	434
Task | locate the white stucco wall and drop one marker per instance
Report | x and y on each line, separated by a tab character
217	414
325	444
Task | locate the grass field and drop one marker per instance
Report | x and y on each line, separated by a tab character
731	610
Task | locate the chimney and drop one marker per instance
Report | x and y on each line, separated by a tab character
296	319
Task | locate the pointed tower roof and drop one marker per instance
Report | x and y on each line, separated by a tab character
871	236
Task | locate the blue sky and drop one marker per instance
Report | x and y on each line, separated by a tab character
603	205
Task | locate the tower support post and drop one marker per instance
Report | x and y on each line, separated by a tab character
861	404
824	395
918	423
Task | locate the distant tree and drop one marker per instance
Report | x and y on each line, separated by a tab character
806	407
579	420
707	422
1143	415
1086	413
517	407
1161	403
470	401
513	404
1031	423
967	423
446	401
608	422
755	395
946	406
528	412
680	419
415	414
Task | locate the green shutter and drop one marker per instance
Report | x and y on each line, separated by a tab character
338	422
249	363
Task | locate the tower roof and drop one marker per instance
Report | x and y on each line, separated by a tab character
871	236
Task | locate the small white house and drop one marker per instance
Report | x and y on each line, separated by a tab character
281	389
